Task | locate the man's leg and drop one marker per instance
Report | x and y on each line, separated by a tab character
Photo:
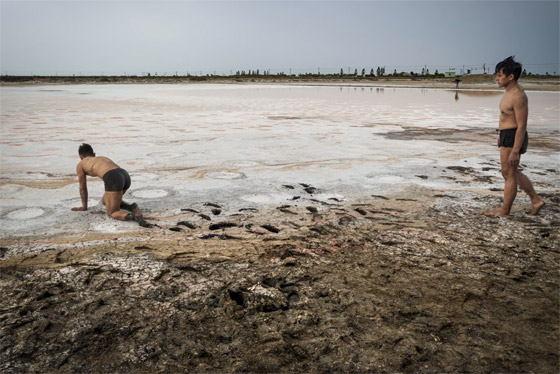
510	188
527	186
126	206
112	201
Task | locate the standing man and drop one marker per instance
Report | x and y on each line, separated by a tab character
513	138
117	182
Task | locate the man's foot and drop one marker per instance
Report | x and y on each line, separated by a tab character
136	210
140	220
497	213
536	208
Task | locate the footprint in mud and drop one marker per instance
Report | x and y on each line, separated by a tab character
254	210
308	188
284	209
361	211
222	225
271	228
380	197
187	224
312	209
204	216
216	212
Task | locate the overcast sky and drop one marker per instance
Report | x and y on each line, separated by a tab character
135	37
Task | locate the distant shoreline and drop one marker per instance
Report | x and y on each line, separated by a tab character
478	82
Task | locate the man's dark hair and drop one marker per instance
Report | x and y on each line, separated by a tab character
85	150
510	66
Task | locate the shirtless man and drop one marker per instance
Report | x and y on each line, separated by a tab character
117	182
513	137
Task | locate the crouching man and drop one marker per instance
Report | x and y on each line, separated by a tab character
117	182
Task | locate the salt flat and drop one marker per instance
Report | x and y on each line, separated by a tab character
238	145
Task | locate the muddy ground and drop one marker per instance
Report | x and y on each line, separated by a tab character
417	282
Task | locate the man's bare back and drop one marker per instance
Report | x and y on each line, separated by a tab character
96	166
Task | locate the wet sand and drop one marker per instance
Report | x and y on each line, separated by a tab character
279	266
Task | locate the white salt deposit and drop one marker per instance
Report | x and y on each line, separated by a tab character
111	226
149	194
224	175
23	214
238	144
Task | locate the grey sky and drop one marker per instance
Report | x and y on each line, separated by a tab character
116	37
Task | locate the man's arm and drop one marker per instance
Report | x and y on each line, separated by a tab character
82	178
521	112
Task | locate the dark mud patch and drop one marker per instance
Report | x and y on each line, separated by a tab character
441	134
538	138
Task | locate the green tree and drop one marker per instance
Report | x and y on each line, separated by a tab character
371	73
341	72
363	72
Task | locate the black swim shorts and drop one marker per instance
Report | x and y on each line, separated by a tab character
507	139
116	180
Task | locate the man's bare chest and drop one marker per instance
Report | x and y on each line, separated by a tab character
506	106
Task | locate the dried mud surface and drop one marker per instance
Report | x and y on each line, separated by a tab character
420	282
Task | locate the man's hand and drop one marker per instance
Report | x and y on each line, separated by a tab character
513	159
79	209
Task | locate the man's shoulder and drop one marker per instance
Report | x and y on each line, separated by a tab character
520	96
80	168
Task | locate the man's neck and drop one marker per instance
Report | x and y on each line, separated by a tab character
511	86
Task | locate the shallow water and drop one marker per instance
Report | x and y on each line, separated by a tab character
238	144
